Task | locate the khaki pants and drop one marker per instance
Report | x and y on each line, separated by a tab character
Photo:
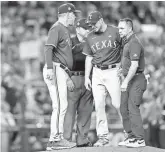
58	93
103	82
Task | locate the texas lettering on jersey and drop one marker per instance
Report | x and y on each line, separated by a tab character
103	44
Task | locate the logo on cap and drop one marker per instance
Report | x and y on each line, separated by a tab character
69	8
94	17
90	16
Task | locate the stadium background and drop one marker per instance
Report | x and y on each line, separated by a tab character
25	102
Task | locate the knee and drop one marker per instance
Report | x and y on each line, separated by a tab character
133	108
116	102
99	106
55	107
63	107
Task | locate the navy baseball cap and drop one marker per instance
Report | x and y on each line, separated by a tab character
82	23
68	7
94	17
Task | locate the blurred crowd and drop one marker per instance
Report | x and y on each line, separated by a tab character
21	79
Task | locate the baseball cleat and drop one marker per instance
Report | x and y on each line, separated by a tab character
134	143
124	142
101	142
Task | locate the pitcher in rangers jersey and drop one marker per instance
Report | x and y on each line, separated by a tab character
103	54
58	57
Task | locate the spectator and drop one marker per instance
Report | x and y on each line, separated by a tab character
7	122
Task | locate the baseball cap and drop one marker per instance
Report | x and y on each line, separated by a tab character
82	23
94	17
68	7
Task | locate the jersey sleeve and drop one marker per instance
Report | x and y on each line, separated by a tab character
53	37
135	51
87	50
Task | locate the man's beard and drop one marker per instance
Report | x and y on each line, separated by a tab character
98	31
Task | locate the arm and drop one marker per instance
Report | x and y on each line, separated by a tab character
48	56
132	71
88	64
135	51
130	75
88	69
51	43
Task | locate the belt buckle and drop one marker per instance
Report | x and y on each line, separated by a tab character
104	67
77	73
110	66
74	73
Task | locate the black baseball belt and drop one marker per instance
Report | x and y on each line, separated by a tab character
138	72
77	73
105	67
71	73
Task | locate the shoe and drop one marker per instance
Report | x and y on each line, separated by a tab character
64	144
101	142
134	143
88	144
123	143
51	145
57	137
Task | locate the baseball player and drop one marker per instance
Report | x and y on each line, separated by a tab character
133	85
58	57
80	100
102	52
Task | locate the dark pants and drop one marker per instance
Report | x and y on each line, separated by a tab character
80	101
129	107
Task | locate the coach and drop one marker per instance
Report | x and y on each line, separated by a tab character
59	60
